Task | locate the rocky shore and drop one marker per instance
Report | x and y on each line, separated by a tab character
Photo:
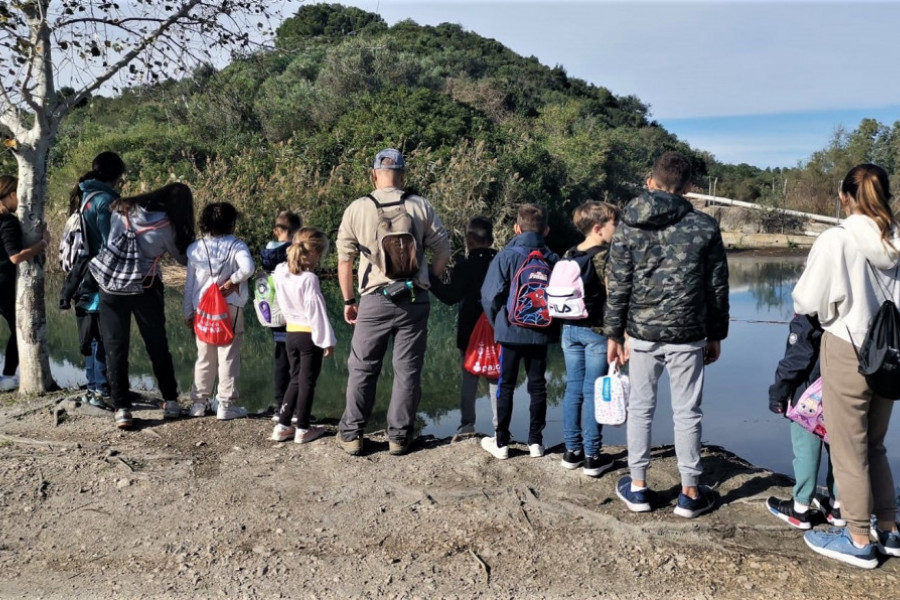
205	509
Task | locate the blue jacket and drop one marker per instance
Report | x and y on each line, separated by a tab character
800	366
495	293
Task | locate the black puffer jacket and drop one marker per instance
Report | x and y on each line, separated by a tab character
667	272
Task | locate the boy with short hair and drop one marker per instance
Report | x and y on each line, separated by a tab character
518	344
668	289
464	287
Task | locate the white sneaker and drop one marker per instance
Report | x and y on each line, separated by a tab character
198	409
304	436
171	409
226	413
490	444
280	433
8	382
535	450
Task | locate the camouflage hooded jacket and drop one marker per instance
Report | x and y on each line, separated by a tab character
667	273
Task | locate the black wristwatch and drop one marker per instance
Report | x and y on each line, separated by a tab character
350	302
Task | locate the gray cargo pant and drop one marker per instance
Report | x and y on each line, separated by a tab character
684	363
378	321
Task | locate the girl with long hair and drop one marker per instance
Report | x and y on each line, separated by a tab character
164	220
850	271
12	252
310	336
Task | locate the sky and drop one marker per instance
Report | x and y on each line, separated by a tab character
757	82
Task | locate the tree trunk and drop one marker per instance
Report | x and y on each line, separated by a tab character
31	312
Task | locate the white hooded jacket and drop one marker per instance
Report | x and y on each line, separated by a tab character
850	271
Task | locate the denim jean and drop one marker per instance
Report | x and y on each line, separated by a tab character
95	369
585	354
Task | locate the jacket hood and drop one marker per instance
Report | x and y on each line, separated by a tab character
141	217
655	209
867	237
91	186
528	239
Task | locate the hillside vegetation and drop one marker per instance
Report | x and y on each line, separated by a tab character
483	128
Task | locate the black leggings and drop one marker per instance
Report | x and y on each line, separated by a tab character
115	327
8	311
306	364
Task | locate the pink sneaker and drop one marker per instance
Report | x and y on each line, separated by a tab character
305	436
280	433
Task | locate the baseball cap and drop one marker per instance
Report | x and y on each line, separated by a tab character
394	156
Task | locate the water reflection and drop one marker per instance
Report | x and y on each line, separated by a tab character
735	398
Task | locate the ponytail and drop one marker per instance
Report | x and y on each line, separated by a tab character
870	187
307	241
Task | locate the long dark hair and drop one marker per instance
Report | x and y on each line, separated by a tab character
870	186
174	199
8	185
107	167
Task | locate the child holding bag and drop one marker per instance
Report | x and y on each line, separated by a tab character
218	258
310	336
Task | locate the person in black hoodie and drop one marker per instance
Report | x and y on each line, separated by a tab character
464	287
275	252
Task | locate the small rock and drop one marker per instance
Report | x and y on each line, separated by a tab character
200	444
123	483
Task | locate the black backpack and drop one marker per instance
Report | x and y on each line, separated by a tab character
879	354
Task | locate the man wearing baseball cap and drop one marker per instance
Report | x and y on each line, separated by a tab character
388	231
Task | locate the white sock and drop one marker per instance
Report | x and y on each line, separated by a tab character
800	509
836	504
302	431
635	488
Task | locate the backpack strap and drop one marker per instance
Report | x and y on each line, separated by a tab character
403	198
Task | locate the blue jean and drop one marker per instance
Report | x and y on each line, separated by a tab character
807	456
585	354
95	369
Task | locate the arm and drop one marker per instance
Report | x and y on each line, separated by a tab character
322	332
716	291
454	289
494	290
815	293
244	268
619	282
187	303
345	280
12	242
794	368
437	240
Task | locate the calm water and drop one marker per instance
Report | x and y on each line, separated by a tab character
735	399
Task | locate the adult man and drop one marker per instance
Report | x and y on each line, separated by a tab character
667	282
389	230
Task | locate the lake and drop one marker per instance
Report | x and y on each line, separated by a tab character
735	402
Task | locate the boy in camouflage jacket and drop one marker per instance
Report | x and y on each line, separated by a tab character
668	290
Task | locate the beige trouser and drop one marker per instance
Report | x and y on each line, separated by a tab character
857	420
224	361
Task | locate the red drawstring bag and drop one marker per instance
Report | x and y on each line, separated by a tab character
482	355
212	323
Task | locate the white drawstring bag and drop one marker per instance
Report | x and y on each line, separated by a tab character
611	397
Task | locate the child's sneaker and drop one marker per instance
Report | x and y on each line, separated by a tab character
304	436
226	413
123	418
490	444
280	433
198	409
888	542
596	465
784	510
572	459
832	513
171	409
694	507
535	450
837	544
636	501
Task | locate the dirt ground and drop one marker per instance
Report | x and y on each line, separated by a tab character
196	508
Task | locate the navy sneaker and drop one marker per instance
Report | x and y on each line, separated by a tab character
784	510
837	544
888	542
694	507
572	460
596	465
635	501
832	513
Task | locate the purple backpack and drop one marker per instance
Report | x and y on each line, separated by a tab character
527	304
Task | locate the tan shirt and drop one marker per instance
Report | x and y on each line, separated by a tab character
357	233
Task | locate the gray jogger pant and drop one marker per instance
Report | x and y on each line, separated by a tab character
684	363
379	320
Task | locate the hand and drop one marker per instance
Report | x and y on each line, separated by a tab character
329	351
46	235
351	313
712	352
228	288
778	405
616	352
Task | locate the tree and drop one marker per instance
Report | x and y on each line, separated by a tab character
93	45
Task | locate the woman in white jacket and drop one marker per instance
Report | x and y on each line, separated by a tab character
218	258
850	271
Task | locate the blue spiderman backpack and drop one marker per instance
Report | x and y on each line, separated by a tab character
527	304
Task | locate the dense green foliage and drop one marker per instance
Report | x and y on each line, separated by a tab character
483	128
